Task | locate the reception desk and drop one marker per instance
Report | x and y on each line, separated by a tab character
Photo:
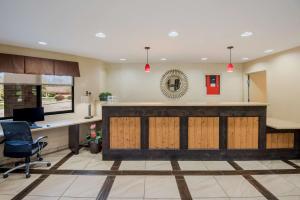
188	131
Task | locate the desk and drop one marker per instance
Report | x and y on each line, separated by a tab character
73	125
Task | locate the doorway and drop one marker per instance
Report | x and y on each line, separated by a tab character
257	87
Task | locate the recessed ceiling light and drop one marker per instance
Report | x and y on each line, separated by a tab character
246	34
245	58
163	59
100	35
204	58
123	59
173	34
268	50
42	43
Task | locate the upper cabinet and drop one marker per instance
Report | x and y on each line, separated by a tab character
66	68
12	63
32	65
39	66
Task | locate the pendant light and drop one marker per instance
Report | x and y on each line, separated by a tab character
230	65
147	66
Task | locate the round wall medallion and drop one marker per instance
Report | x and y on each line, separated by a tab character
174	84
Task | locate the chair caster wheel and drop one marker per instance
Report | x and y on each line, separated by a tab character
5	175
28	175
40	159
48	164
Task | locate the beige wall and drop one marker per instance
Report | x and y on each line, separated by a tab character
258	87
130	83
283	87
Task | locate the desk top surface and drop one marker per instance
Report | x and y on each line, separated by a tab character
66	122
46	125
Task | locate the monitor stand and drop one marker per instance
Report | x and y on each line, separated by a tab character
34	126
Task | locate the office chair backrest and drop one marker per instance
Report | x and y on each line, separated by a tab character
16	131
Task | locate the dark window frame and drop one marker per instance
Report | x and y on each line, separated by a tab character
39	101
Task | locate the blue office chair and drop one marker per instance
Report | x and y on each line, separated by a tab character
18	143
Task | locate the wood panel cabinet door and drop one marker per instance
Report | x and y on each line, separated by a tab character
39	66
125	133
66	68
164	133
11	63
280	140
203	133
242	133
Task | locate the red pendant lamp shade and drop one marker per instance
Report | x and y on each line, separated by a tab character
230	65
147	66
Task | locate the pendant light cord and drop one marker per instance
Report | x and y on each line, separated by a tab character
230	48
230	55
147	49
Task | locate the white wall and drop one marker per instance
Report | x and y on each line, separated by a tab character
283	87
130	83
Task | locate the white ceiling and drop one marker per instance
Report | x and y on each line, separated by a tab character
206	28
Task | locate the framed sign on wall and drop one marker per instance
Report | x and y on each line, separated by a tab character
212	84
174	84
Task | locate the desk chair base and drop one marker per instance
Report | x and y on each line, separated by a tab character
26	165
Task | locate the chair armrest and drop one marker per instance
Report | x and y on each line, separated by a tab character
2	141
40	139
40	142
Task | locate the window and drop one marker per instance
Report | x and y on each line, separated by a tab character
54	93
57	93
56	98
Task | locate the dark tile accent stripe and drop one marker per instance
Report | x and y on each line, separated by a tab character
183	188
39	180
119	172
62	161
175	165
30	187
260	188
116	165
162	172
109	181
181	183
235	165
291	164
107	185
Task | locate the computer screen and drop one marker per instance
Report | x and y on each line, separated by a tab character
30	115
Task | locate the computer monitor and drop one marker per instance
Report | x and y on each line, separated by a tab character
31	115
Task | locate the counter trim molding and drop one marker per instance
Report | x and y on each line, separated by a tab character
182	104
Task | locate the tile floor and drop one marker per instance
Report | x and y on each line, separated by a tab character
67	186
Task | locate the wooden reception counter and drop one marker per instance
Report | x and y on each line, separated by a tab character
189	131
